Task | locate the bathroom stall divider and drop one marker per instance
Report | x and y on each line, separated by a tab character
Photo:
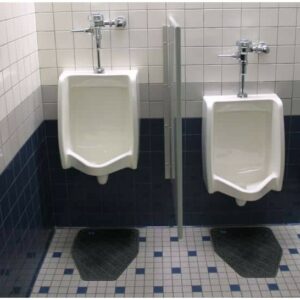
172	116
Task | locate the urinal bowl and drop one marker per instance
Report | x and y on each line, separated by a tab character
98	122
243	145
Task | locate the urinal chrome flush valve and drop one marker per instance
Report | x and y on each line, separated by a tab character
244	47
96	22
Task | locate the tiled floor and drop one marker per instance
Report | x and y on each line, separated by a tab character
166	267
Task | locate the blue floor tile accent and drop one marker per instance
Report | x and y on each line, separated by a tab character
176	270
140	271
81	290
284	268
206	238
120	290
158	289
158	254
192	253
142	239
293	251
56	254
273	287
174	238
68	271
196	288
44	290
212	270
235	287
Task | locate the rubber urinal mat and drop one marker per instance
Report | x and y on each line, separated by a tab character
253	252
104	254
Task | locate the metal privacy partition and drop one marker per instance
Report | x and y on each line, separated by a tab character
172	114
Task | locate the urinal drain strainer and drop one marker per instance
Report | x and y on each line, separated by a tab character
104	254
253	252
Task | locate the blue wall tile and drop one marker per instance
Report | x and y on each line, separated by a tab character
25	216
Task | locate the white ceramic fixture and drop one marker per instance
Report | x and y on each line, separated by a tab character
243	145
98	122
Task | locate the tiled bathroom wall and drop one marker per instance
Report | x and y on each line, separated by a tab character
20	100
35	47
24	217
209	29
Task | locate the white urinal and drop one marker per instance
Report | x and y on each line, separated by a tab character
243	145
98	122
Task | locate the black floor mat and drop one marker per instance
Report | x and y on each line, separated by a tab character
104	254
253	252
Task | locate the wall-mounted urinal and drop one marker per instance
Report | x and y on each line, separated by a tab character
98	121
243	145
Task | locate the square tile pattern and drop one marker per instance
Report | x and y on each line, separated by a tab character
168	267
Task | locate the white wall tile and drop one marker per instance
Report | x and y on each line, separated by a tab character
65	58
194	73
49	76
155	38
155	56
120	57
211	55
119	38
269	34
44	21
47	58
138	56
285	54
284	72
286	35
250	17
230	36
82	40
156	18
46	40
194	55
63	21
81	6
83	58
266	72
212	18
212	36
155	74
269	17
231	18
65	39
194	37
194	18
138	38
62	6
138	19
287	17
212	73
